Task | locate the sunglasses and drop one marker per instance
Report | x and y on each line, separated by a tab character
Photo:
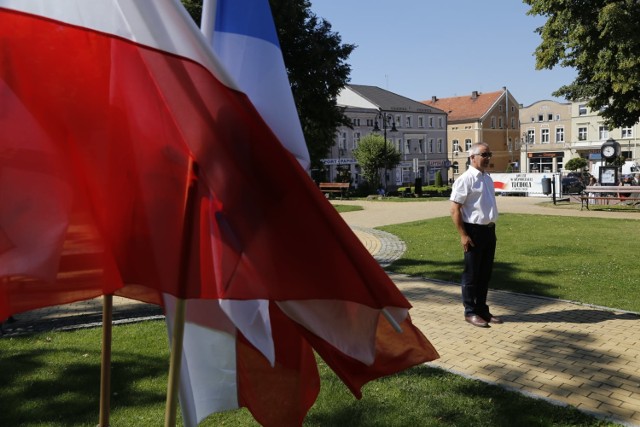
488	154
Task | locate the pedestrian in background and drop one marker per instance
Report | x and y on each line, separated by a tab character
474	213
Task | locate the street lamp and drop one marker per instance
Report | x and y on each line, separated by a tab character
386	119
525	139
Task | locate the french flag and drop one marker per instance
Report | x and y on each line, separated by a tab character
104	107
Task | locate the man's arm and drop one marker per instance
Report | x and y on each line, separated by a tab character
456	216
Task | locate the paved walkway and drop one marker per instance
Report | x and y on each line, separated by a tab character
561	351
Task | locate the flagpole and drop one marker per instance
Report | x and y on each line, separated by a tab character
105	367
171	409
180	309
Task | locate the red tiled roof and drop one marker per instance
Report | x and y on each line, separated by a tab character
466	108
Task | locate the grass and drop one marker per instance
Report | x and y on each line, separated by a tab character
590	260
52	380
347	208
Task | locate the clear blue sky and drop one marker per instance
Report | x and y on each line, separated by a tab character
480	45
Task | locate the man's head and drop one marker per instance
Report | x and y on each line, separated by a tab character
480	155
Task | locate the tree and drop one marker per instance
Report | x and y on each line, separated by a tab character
372	155
315	58
577	163
601	40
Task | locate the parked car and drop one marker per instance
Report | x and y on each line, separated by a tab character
582	176
572	185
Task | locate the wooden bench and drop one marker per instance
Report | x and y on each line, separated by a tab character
610	193
328	188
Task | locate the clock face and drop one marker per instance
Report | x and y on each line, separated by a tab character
608	151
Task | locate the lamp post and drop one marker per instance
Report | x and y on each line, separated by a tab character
525	139
386	119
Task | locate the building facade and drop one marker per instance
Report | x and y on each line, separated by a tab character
482	117
417	131
546	136
553	133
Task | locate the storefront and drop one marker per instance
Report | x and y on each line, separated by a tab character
545	162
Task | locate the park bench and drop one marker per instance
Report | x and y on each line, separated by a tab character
610	195
329	188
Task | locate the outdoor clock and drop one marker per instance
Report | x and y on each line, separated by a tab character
610	149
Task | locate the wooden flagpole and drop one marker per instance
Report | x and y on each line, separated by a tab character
105	364
171	408
180	309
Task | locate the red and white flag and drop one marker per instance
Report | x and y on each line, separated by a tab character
119	97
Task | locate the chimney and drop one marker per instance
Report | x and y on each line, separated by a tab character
434	98
474	94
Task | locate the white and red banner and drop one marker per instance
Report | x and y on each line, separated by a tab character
104	105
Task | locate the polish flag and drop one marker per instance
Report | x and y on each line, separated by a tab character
120	96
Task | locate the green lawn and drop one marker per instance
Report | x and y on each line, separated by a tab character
52	380
590	260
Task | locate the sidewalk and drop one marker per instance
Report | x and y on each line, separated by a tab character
567	353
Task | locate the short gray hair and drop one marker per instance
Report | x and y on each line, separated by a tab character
475	148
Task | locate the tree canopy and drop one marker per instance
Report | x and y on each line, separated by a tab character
600	39
315	58
372	155
577	163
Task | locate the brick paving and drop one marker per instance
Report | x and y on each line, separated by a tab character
560	351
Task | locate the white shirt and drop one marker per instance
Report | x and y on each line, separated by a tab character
474	190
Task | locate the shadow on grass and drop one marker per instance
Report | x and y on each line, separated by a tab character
68	393
503	273
438	398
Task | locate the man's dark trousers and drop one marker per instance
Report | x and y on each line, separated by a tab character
478	265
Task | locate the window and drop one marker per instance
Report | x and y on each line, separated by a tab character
456	167
398	121
531	136
558	117
420	122
627	132
455	145
399	145
356	139
431	145
430	122
407	147
540	117
533	119
560	134
582	110
500	108
544	136
440	122
549	117
421	145
439	145
370	123
408	121
467	144
500	122
355	122
493	122
342	144
513	123
582	133
603	133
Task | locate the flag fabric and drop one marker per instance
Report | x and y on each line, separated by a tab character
103	107
244	38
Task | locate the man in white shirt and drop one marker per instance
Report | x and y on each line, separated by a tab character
474	213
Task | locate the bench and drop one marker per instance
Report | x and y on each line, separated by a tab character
605	194
334	187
